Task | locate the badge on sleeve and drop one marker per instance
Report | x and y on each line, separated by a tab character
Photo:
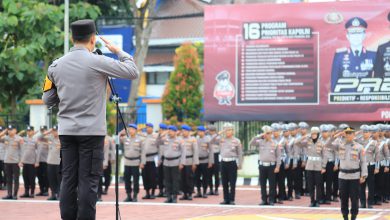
47	84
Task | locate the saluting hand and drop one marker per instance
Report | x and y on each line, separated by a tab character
111	47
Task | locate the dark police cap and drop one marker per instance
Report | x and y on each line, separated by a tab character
30	128
356	22
10	127
43	127
55	127
82	28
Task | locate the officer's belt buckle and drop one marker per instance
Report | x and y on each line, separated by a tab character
314	158
229	159
266	164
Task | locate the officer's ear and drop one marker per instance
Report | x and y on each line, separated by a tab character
92	40
71	39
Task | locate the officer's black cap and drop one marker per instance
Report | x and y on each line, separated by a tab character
82	28
30	128
349	130
43	127
55	127
10	127
356	22
1	128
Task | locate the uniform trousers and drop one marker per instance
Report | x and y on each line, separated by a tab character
82	165
229	178
29	174
349	190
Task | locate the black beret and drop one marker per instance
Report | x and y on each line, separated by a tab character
82	28
30	128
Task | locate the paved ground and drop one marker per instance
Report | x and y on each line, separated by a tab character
208	209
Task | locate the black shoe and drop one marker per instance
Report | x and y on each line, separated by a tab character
363	206
160	195
39	194
184	197
316	204
26	195
128	199
9	197
232	203
174	199
45	194
189	197
100	199
15	197
31	196
297	197
204	196
335	199
152	196
52	198
211	193
147	196
369	206
135	199
271	203
327	202
198	195
224	202
168	200
313	204
345	217
353	217
290	198
263	203
216	193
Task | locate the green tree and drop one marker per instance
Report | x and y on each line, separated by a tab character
31	36
182	99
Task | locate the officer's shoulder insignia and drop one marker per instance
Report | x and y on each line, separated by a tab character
341	50
47	84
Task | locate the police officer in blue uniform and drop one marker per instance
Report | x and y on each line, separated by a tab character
382	61
355	61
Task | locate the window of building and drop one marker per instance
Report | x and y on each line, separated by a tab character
157	78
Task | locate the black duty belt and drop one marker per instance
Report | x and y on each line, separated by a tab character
151	154
133	158
203	158
350	171
190	156
172	158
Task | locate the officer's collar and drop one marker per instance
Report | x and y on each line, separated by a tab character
360	49
78	47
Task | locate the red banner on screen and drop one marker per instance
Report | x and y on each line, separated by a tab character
302	61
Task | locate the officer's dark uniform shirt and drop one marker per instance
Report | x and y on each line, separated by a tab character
382	61
352	64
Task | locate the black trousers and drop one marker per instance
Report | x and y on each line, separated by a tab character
107	175
82	166
12	171
336	183
171	180
3	180
327	178
149	175
349	189
53	173
29	174
387	185
131	174
281	182
370	183
314	181
229	178
43	180
267	173
380	184
290	179
298	178
202	176
215	171
160	177
187	180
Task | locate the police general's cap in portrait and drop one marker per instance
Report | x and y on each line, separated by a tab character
172	128
186	127
212	128
223	75
163	126
30	128
133	126
201	128
356	24
149	125
315	130
266	129
82	28
303	125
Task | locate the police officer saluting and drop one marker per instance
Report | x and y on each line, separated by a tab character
172	150
160	171
30	160
2	173
134	160
43	148
13	153
353	171
77	84
53	162
269	164
206	160
149	173
191	153
231	154
215	170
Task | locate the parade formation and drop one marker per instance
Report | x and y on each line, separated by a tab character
336	163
